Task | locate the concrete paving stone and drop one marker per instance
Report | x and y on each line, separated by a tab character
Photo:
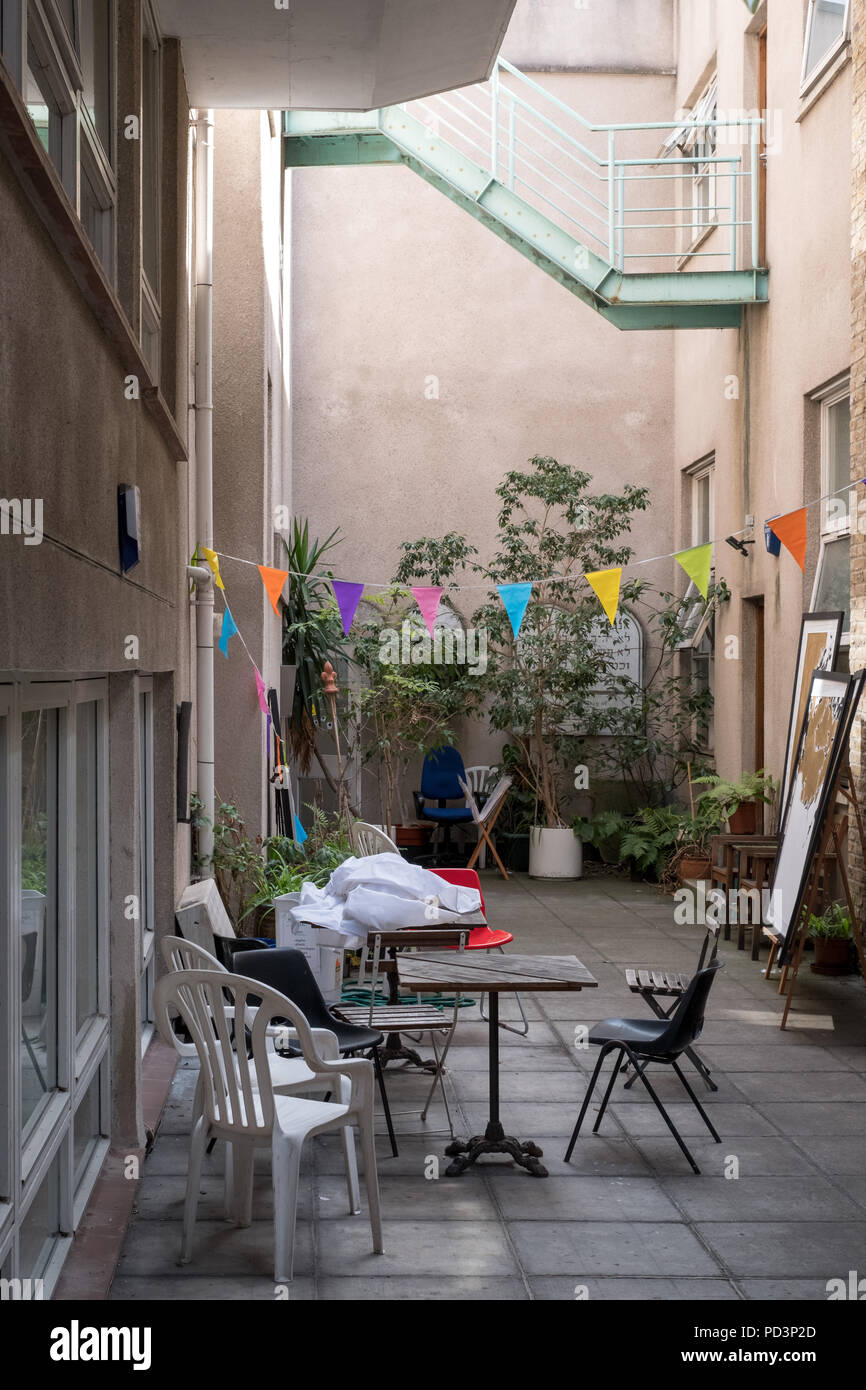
556	1086
585	1199
757	1156
822	1249
814	1118
798	1056
413	1197
424	1289
414	1152
802	1085
853	1055
415	1248
201	1288
162	1198
660	1290
525	1120
219	1248
760	1198
785	1290
585	1248
477	1035
729	1119
834	1154
531	1058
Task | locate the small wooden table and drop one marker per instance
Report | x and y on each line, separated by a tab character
493	975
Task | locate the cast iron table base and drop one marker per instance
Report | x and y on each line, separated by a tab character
494	1140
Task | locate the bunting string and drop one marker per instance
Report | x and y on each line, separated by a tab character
790	528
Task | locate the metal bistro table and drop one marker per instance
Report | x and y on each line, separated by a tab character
494	975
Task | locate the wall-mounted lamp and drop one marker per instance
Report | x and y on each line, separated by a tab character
736	544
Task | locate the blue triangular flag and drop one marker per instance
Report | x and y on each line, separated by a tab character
300	832
515	597
229	629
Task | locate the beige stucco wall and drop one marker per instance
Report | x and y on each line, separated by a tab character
393	286
251	447
765	441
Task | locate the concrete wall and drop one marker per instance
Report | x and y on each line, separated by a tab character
251	443
618	36
69	435
429	357
766	445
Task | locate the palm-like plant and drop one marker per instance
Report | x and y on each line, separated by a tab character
312	634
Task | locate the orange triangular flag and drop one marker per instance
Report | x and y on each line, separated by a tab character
273	581
791	530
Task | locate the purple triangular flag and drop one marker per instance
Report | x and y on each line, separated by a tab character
348	597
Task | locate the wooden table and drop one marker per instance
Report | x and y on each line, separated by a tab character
494	975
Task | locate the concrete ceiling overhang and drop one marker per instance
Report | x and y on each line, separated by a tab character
326	55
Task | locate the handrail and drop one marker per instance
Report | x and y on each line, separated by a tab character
502	127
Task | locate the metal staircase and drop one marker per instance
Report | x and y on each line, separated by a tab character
627	226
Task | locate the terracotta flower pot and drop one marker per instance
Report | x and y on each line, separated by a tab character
744	821
832	955
694	867
411	836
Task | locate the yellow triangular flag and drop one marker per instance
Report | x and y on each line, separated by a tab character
213	560
696	563
606	584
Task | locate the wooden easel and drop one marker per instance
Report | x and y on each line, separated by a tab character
834	830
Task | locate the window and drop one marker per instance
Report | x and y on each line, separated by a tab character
826	33
698	650
68	88
698	146
53	965
42	742
832	588
151	106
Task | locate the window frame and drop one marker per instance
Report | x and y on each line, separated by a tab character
700	645
151	294
81	153
27	1156
809	79
838	529
702	141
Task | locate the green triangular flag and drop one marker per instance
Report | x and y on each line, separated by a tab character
696	563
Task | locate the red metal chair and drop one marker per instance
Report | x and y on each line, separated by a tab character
483	938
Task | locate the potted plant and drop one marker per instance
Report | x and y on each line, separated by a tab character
739	801
831	935
541	685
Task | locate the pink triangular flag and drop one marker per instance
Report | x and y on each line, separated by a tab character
261	691
348	597
427	597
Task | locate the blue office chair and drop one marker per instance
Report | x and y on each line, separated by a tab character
439	784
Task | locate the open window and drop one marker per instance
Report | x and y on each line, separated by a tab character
827	32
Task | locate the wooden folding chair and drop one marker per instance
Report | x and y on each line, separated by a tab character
486	818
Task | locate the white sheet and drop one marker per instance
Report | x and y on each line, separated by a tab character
383	891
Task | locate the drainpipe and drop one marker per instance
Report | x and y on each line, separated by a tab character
204	589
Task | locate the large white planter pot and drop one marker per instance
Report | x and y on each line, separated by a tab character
554	853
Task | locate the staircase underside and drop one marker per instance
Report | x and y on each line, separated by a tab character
663	299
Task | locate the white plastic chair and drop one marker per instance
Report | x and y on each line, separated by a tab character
241	1106
369	839
290	1076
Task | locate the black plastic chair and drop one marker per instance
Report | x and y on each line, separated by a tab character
289	972
663	1041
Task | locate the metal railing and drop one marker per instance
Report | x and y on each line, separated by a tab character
650	191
